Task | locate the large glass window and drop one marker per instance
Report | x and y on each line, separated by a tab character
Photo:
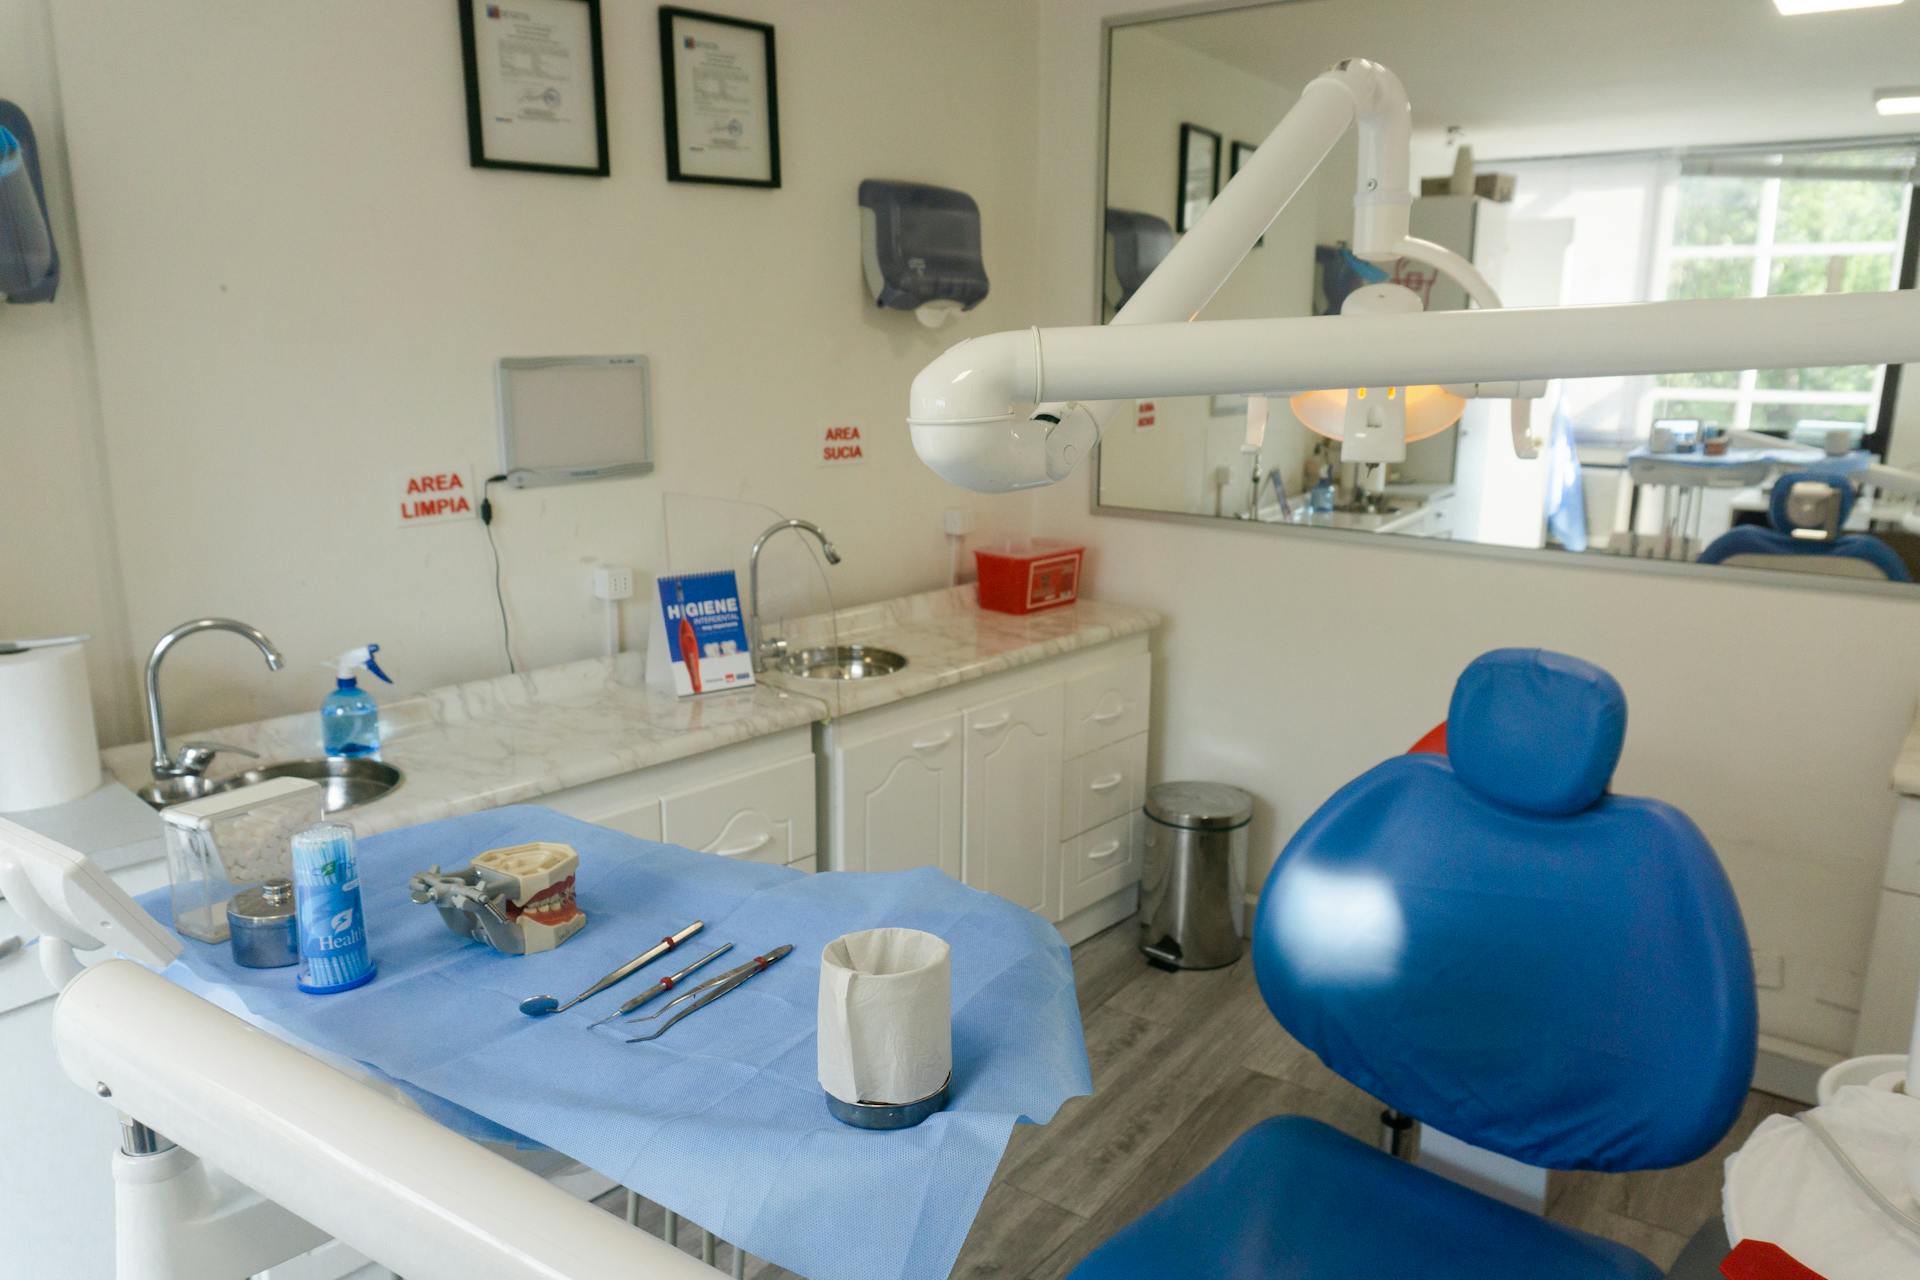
1760	225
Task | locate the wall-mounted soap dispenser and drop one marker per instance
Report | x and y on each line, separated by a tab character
921	249
29	263
1136	242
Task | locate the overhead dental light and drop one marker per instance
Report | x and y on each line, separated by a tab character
1020	409
1376	424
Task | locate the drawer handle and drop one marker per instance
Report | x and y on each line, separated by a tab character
751	846
1102	717
1000	721
932	743
1104	852
1107	783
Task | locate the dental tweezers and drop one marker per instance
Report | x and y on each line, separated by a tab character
666	984
707	992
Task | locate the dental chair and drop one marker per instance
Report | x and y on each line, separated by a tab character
1493	945
1807	510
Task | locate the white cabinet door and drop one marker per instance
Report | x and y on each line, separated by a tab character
764	816
900	799
1012	830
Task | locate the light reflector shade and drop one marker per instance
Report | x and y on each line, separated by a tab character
1430	410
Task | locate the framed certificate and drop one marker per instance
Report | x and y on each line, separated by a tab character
536	86
722	108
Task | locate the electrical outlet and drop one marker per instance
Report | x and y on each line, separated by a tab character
1769	970
613	582
958	522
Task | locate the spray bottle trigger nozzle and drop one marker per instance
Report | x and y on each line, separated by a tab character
373	666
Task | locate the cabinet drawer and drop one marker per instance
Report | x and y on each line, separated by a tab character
1108	705
641	819
1099	863
1104	784
766	815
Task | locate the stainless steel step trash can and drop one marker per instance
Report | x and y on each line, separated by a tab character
1195	832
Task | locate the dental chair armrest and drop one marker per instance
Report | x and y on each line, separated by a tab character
384	1179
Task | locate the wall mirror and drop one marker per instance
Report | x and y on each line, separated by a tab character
1744	156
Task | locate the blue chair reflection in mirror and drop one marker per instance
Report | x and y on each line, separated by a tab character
29	260
1807	510
1492	944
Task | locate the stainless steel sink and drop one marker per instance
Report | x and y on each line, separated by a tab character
162	792
344	784
841	662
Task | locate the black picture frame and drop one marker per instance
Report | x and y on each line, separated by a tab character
1191	137
1237	155
476	137
669	91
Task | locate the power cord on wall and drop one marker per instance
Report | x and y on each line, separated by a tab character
499	594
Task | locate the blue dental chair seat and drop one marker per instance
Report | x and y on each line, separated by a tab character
1294	1199
1489	943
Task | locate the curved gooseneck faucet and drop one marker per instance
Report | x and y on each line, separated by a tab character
753	578
193	759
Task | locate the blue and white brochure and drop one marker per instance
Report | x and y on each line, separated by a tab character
698	641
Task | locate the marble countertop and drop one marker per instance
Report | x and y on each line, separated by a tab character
515	738
948	639
509	739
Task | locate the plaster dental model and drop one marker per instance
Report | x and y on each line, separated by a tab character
517	900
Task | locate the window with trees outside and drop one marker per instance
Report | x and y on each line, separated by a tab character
1756	225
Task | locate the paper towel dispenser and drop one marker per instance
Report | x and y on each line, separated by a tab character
29	262
1136	242
921	248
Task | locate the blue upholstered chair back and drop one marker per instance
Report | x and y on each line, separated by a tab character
1747	542
1489	942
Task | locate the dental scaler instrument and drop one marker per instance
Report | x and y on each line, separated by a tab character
667	983
541	1006
707	992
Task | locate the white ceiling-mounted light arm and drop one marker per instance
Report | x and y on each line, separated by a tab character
964	410
963	414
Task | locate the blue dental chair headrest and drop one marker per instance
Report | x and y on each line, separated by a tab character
1536	730
1489	942
1777	508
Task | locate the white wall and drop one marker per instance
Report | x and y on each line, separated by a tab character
1294	661
58	573
299	285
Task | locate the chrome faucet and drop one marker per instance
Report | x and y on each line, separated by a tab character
753	585
195	756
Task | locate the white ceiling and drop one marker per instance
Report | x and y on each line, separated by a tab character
1547	77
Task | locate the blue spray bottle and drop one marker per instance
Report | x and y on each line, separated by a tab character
349	718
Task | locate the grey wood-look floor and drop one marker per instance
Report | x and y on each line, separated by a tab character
1182	1065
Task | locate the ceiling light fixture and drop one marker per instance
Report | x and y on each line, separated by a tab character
1793	8
1897	102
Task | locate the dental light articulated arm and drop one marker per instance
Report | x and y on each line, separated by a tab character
966	411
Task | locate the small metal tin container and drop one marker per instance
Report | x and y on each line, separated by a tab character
261	926
881	1115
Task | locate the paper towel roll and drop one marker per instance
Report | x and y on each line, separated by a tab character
886	1016
49	753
